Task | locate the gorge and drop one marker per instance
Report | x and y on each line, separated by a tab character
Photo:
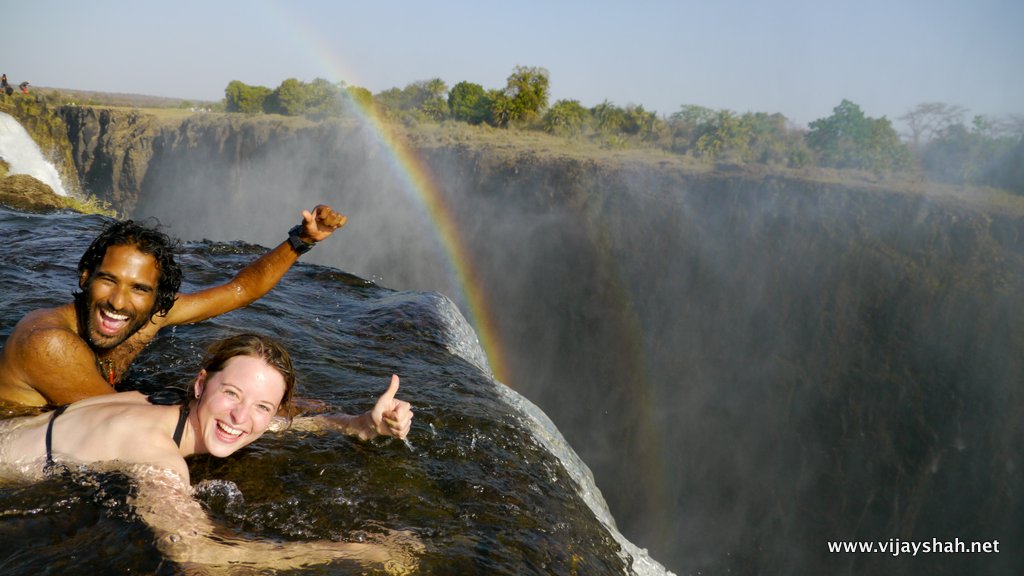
753	363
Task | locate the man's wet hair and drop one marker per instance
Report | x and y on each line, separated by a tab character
148	239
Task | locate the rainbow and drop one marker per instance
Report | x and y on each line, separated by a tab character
421	183
422	186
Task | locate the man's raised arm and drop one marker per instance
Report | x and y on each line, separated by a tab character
256	279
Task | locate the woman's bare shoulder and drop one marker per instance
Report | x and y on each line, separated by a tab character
120	399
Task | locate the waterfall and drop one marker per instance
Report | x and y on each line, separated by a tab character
23	155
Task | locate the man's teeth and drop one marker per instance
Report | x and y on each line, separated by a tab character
228	429
114	315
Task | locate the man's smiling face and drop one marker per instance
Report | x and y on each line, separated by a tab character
119	296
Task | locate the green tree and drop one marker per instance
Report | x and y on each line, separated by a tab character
837	138
417	101
289	99
468	102
639	122
771	142
240	97
684	124
391	100
884	150
725	132
361	97
323	99
850	139
989	152
565	118
608	118
693	114
434	104
527	89
502	109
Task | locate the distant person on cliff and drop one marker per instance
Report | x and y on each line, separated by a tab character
24	87
129	284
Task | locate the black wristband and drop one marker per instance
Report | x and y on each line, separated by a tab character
296	242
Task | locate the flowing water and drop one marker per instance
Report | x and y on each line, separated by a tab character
23	155
485	480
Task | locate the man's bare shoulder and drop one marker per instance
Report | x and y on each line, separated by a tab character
47	327
41	330
43	320
43	357
58	316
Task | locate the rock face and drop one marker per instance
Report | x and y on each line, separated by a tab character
755	366
112	151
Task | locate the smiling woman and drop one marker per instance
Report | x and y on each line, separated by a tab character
245	381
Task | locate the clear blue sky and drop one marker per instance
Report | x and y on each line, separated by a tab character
797	57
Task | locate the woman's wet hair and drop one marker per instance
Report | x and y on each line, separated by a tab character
148	239
256	346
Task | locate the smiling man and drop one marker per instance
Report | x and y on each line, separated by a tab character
129	284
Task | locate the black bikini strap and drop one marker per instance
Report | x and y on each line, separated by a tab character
182	418
49	435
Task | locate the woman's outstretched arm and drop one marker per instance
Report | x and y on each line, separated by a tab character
389	417
186	535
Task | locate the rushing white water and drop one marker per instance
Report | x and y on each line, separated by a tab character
464	343
23	155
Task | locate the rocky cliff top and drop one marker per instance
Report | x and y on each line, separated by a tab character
25	193
108	147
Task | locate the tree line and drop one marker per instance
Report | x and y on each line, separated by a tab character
941	141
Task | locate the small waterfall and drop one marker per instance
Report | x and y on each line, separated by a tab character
23	155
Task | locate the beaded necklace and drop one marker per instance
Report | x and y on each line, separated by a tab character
106	369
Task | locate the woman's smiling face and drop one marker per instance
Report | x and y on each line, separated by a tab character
237	404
